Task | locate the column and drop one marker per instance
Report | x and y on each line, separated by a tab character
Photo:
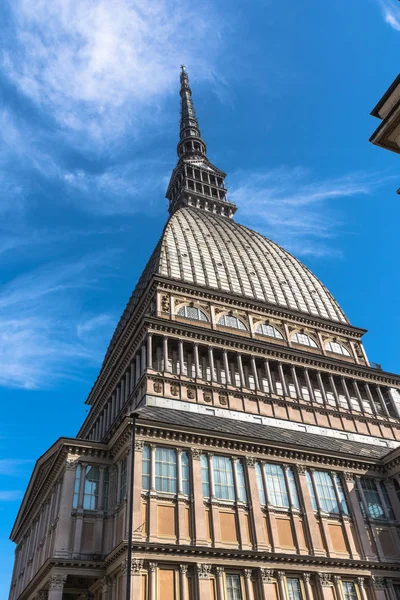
322	388
214	509
143	358
346	393
183	583
200	533
359	398
361	587
138	528
337	582
295	515
196	359
269	377
370	398
256	513
307	586
118	400
248	584
76	548
127	384
226	367
56	586
137	366
181	358
310	387
240	369
219	575
132	377
105	588
382	401
203	580
152	502
283	379
295	381
280	575
149	350
334	390
152	581
255	374
310	520
211	361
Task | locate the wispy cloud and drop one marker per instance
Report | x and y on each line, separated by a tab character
296	209
10	495
391	13
92	64
42	327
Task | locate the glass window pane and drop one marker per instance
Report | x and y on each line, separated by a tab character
241	481
185	473
91	490
304	339
269	330
342	498
311	490
293	489
276	485
205	480
165	470
260	484
76	486
233	590
223	478
349	590
106	488
326	492
294	589
146	468
372	499
192	312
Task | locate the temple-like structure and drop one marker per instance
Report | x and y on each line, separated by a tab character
263	462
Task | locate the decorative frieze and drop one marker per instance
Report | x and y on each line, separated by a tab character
325	579
203	571
267	575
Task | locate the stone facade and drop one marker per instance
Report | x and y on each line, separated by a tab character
266	452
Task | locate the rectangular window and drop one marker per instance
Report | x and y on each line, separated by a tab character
294	589
241	481
349	590
146	468
165	470
372	499
76	486
122	487
106	488
292	488
311	490
223	478
340	492
233	589
185	473
326	492
205	479
276	486
91	491
260	484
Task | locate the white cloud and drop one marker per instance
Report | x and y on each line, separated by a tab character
41	326
391	13
294	209
92	64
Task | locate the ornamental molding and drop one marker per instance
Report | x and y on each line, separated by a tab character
248	573
57	581
267	575
203	571
42	595
324	579
183	569
378	583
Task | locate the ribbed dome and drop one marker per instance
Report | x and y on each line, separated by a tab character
214	252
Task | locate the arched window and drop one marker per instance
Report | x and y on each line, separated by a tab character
337	348
269	330
191	312
231	321
304	340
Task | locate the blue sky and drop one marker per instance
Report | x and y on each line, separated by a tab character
89	124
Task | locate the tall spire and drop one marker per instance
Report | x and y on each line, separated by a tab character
195	181
189	129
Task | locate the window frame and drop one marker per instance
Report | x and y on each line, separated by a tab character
274	329
201	315
343	350
238	320
306	344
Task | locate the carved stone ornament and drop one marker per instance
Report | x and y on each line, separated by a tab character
71	462
175	389
301	469
139	445
157	387
267	575
324	579
57	582
165	303
379	583
361	581
203	571
183	569
248	573
219	571
280	575
223	399
250	461
207	396
306	577
196	453
152	567
190	393
348	476
337	579
105	584
42	595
